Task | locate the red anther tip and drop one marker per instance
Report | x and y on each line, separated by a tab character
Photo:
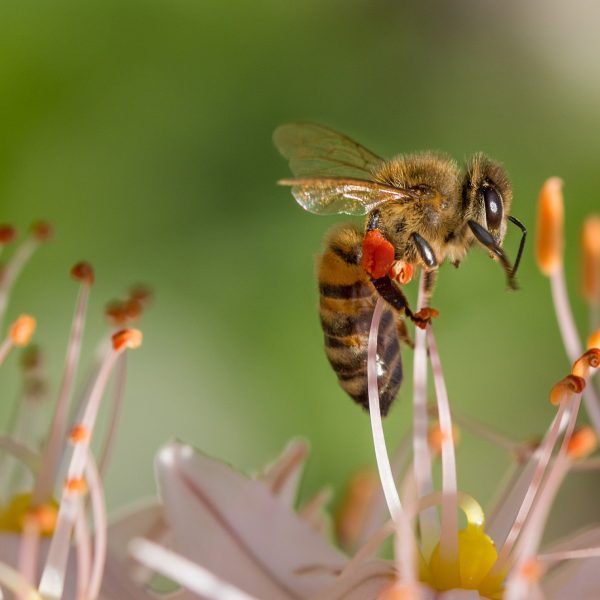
42	231
377	254
583	443
83	272
127	338
76	486
22	330
142	293
79	433
7	234
564	389
31	358
589	360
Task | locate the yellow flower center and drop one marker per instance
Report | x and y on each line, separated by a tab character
476	556
19	511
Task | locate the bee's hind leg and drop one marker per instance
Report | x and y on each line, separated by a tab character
396	298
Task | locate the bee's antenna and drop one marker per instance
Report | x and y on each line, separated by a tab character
523	229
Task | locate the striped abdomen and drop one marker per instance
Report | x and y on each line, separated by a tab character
346	307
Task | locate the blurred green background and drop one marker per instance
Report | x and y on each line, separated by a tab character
142	130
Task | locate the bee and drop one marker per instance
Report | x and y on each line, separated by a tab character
421	209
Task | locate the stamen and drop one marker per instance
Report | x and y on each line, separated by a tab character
79	433
29	549
42	231
184	572
437	437
590	246
554	557
589	360
449	534
22	330
43	485
428	520
406	557
549	243
565	389
7	234
84	554
400	591
100	527
16	583
76	486
532	570
594	340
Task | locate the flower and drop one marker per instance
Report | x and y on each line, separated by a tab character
45	480
239	538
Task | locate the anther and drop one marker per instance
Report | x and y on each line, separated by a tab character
436	438
83	272
22	330
42	231
583	442
532	570
127	338
549	244
142	293
7	234
590	247
76	486
564	389
44	516
594	340
31	358
589	360
399	591
79	433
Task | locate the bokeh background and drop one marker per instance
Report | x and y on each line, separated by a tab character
142	130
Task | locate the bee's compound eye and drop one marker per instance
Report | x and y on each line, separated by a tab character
493	207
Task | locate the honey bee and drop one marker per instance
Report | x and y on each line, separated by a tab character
421	210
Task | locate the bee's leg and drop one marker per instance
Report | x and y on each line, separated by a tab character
429	284
485	238
394	296
403	334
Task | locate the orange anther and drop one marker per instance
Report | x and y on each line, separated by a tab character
141	293
549	246
44	516
76	486
133	309
564	389
436	437
79	433
83	272
590	250
399	591
7	234
594	340
532	570
42	231
22	330
583	442
127	338
589	360
377	254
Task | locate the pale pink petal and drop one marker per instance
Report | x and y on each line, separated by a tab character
573	580
284	474
585	538
365	582
458	595
237	529
312	511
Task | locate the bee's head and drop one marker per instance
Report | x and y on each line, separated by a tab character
487	195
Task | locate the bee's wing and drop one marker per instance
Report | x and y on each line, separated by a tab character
317	151
335	195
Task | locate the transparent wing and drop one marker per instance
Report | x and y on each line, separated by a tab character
337	195
317	151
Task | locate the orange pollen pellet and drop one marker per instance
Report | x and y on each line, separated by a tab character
589	360
42	231
7	234
549	243
76	486
79	433
127	338
22	330
590	250
583	442
564	389
532	570
45	517
83	272
594	340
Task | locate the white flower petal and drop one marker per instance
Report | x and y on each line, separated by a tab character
284	474
234	527
574	580
459	595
